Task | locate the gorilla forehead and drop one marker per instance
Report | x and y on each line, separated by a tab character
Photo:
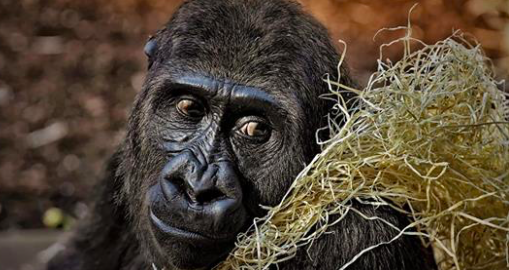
252	42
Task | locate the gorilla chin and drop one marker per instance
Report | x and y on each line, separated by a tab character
195	222
186	249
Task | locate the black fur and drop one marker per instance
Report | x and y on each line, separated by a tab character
229	45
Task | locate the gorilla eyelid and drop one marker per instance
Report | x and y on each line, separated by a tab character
190	107
249	124
251	128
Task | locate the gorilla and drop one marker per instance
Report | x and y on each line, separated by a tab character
226	119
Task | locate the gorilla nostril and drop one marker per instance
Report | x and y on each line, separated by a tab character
178	182
209	195
200	196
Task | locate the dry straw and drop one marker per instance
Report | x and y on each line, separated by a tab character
430	134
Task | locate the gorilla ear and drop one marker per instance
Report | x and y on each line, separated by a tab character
150	49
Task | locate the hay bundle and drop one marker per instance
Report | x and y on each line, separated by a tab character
429	132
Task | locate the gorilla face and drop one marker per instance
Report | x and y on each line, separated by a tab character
222	140
226	120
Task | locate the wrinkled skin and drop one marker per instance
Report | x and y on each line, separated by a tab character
226	120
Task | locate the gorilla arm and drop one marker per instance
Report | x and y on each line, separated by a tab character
354	233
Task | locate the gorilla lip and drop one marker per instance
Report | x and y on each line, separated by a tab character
185	234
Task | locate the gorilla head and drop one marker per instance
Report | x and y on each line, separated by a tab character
225	121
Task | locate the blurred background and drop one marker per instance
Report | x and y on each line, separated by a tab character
69	71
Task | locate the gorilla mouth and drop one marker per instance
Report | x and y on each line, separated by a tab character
186	235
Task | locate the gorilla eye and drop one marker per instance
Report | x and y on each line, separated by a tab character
255	129
190	108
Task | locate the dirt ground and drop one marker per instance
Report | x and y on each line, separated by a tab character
69	71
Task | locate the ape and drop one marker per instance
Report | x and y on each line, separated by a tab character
226	120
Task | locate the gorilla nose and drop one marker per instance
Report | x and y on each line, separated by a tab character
202	189
202	183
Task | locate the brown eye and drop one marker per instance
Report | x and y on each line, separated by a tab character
255	129
190	108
